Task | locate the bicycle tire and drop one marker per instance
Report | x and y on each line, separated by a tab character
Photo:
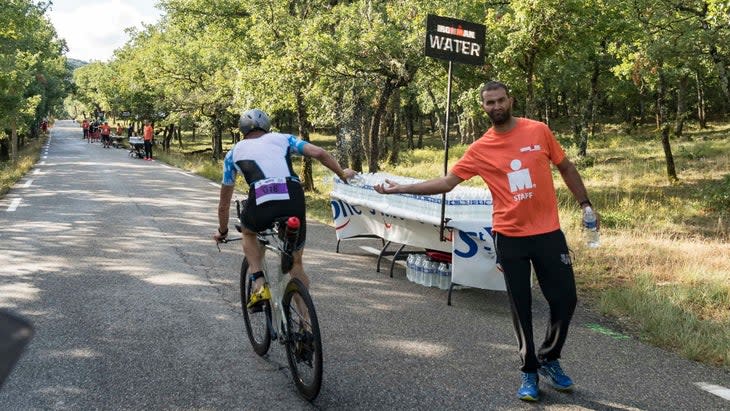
303	347
258	324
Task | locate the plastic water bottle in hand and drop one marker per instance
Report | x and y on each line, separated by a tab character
590	225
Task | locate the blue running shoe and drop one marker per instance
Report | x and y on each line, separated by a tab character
555	376
529	390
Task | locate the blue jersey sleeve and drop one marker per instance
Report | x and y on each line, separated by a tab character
296	144
229	170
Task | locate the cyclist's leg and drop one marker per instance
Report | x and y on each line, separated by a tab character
254	254
297	270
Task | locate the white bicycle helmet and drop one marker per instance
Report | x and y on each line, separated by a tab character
254	119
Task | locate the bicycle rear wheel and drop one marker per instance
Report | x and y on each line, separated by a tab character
304	342
257	319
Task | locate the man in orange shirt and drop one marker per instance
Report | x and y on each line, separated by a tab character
147	135
513	158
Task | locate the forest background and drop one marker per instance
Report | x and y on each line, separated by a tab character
636	90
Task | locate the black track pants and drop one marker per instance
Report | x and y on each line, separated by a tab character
549	255
148	148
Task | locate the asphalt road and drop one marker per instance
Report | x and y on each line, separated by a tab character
134	308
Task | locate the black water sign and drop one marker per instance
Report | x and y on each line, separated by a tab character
455	40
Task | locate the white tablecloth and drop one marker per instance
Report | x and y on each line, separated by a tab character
415	220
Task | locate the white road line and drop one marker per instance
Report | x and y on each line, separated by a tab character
183	173
37	171
214	184
718	390
42	163
28	183
14	204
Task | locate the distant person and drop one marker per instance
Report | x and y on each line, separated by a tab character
85	126
148	134
120	130
93	130
106	138
513	158
130	130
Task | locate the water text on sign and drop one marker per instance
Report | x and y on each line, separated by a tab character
454	45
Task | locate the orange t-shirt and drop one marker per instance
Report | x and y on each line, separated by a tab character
148	131
85	125
105	130
516	167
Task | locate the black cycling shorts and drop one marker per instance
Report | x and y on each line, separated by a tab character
261	217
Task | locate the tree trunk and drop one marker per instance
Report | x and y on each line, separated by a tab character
663	121
179	137
385	93
13	139
217	138
721	72
530	81
681	106
410	114
395	130
420	132
343	116
701	113
304	126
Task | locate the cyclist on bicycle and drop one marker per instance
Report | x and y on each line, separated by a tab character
263	158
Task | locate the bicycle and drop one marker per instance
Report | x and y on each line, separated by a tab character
282	318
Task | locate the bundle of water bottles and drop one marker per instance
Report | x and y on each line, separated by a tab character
462	203
421	269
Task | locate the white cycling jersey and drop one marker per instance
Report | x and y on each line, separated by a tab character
264	157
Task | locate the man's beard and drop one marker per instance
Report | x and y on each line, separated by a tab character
500	119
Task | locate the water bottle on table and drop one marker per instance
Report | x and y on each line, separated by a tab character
590	224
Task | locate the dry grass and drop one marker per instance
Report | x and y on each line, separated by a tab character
12	171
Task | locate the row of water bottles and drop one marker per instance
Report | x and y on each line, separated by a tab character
420	269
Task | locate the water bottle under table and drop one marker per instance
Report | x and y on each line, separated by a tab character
410	267
444	276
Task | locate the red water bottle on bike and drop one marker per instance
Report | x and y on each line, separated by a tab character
292	230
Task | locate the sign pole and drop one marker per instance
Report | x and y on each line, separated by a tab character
453	40
446	153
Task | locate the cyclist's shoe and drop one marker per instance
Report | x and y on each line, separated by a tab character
555	376
258	298
529	390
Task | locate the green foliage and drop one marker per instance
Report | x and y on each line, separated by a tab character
716	195
33	73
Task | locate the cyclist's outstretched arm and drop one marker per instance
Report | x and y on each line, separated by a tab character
224	209
316	152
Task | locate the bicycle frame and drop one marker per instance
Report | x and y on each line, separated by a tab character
278	280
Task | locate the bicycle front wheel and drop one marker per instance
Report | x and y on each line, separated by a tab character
257	319
304	342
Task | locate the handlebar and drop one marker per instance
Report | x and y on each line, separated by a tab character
226	241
